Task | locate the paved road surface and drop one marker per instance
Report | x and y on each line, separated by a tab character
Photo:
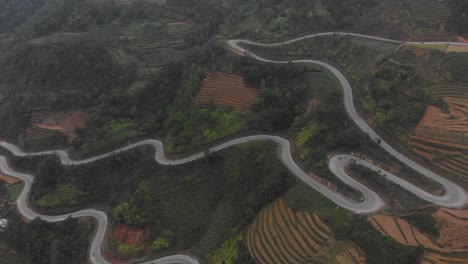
454	196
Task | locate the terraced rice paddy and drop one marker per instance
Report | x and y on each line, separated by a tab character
428	13
442	137
280	235
226	90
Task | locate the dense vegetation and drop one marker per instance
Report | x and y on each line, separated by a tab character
425	222
42	242
192	207
458	19
135	75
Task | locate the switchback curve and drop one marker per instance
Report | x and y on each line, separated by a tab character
453	197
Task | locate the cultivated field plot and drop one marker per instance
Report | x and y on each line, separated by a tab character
428	13
226	90
280	235
442	137
43	123
456	48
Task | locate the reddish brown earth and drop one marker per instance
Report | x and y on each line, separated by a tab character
456	48
64	122
226	90
313	103
461	39
8	179
130	236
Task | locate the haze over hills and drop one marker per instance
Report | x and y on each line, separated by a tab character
235	131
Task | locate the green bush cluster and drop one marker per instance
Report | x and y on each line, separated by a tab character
66	195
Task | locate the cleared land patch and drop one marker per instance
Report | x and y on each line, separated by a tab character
226	90
124	236
64	122
8	179
280	235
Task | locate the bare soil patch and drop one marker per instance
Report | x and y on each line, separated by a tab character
127	235
8	179
65	122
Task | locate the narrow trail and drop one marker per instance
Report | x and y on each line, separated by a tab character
454	196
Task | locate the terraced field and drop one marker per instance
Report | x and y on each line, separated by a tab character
280	235
402	232
226	90
450	246
428	13
453	227
442	137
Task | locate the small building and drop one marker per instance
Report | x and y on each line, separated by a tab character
3	224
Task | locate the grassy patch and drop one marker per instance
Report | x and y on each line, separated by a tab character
228	253
204	125
15	190
66	195
112	132
440	47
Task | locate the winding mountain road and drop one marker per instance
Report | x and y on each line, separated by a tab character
454	196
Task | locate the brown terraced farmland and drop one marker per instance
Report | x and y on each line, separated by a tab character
402	232
226	90
280	235
449	247
442	136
